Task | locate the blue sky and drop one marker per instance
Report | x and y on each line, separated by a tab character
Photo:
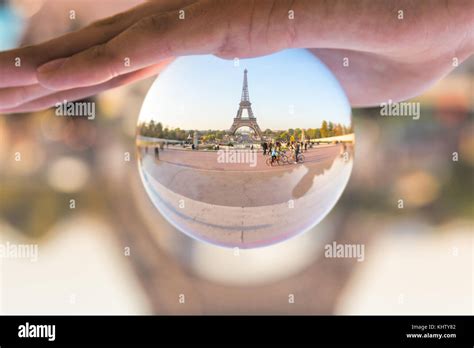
203	92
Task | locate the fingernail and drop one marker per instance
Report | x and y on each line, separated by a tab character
51	66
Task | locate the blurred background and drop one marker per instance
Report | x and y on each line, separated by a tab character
114	254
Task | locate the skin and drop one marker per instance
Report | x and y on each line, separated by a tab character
389	58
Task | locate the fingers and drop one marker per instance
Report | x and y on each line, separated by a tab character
18	66
80	93
146	42
15	96
130	44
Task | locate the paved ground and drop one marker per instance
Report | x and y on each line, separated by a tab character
242	205
243	160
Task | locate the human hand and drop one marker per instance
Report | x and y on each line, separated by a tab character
388	57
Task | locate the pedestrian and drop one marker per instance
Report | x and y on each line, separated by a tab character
297	151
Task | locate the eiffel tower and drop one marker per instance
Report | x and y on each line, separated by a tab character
245	103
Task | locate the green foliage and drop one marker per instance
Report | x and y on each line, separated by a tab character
327	129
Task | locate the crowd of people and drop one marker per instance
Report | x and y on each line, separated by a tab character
292	148
275	149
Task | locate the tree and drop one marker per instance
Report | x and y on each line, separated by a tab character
159	130
283	136
330	129
317	134
298	133
324	129
311	133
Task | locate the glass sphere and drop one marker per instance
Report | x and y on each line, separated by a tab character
245	153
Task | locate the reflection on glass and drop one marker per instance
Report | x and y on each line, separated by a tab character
245	153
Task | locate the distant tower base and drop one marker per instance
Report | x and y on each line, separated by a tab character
246	122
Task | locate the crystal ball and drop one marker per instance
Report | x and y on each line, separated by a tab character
245	152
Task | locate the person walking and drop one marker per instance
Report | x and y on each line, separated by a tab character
297	151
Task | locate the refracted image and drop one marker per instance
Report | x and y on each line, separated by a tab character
245	153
